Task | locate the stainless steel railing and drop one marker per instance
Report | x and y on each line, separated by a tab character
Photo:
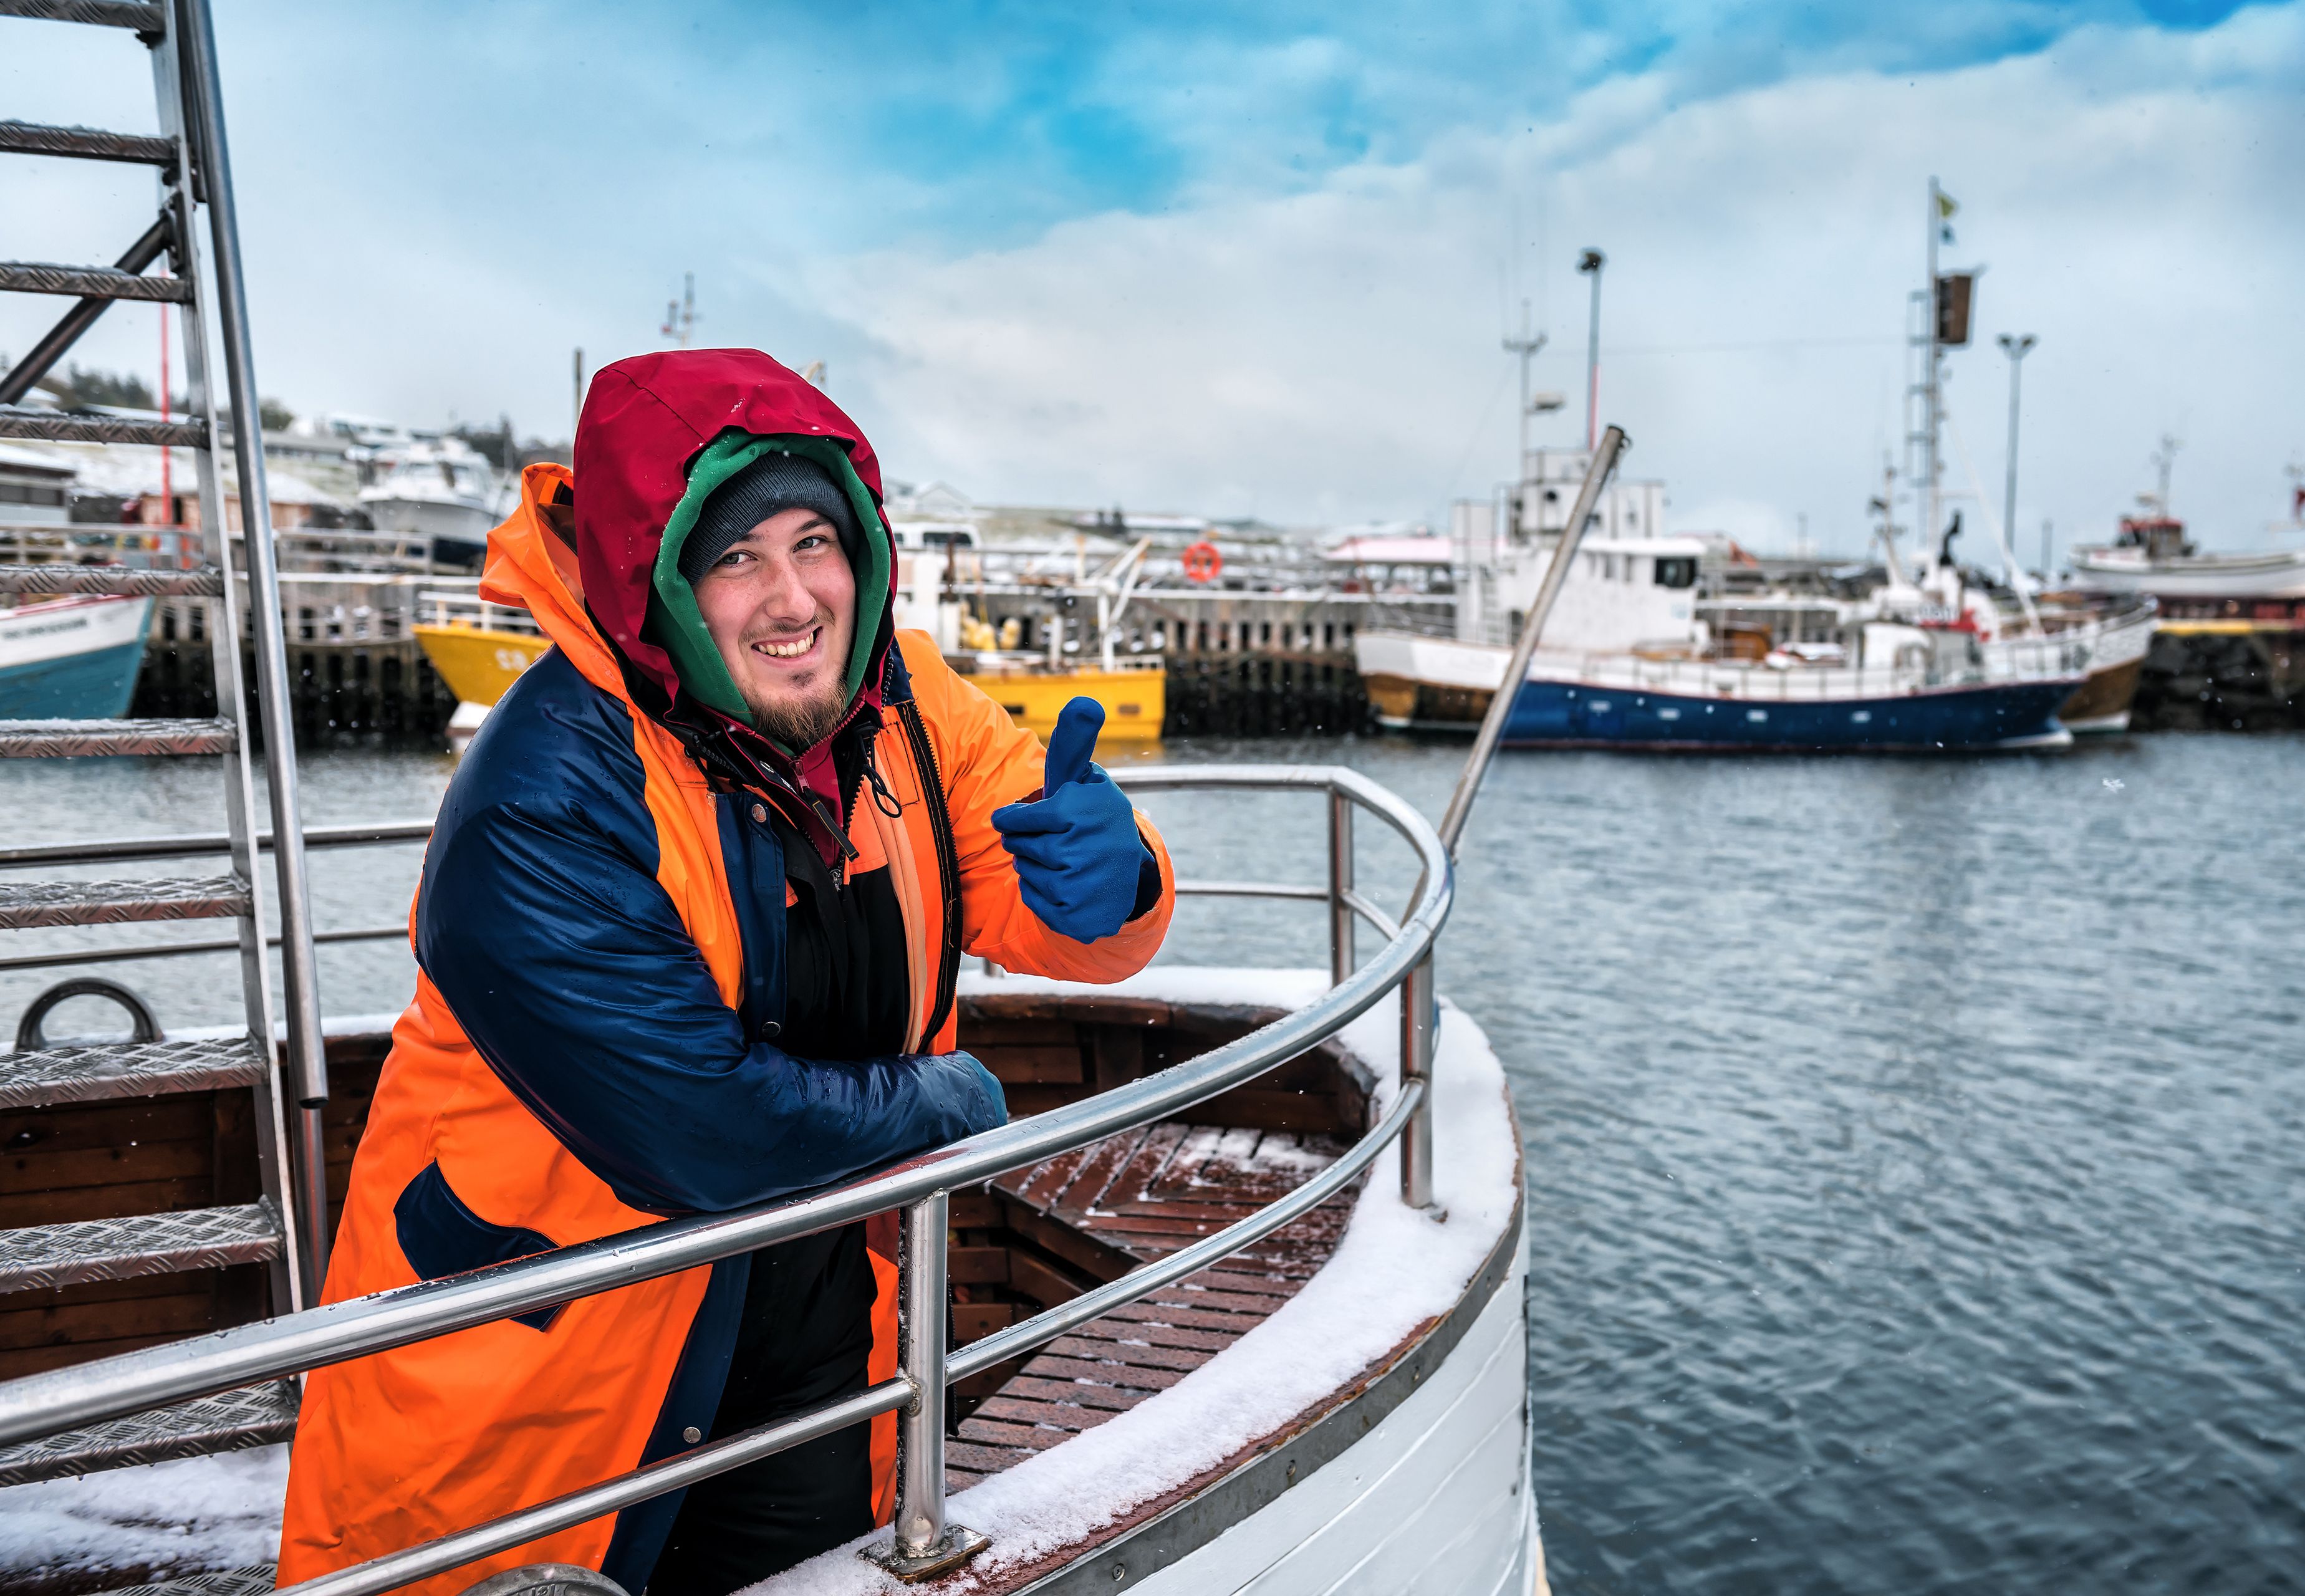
65	1399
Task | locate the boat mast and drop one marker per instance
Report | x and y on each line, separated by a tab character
1932	534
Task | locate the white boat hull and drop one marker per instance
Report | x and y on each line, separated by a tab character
1434	1500
430	518
2278	573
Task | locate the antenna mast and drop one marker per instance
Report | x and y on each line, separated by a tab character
1526	346
680	314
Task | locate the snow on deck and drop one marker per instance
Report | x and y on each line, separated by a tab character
1392	1270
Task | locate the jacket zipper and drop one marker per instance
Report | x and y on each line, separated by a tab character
947	864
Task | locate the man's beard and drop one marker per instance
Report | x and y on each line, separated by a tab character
800	723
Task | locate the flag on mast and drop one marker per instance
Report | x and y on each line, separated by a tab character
1946	206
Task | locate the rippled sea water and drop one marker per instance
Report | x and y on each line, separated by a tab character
1914	1147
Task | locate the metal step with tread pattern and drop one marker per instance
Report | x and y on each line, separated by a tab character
26	903
110	1071
138	16
89	282
201	581
255	1416
75	1252
85	144
75	739
16	422
257	1579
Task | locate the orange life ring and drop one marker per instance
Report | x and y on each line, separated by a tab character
1202	562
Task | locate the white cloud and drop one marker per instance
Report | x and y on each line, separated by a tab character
1323	355
1328	353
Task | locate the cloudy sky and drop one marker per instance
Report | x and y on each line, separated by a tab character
1257	258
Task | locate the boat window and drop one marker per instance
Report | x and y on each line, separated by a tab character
1679	570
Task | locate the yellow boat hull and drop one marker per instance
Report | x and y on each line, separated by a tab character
477	662
1134	701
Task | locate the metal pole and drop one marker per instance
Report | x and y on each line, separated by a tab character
1591	263
308	1063
1417	1065
1340	885
1493	725
1930	550
925	1544
2015	348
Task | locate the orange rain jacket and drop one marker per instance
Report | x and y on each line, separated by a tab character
603	907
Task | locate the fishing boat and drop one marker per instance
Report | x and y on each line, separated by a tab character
2117	634
2151	555
479	648
441	491
71	659
1628	658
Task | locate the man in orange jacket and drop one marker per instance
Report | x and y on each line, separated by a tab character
687	935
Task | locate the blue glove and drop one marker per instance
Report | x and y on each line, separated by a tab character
1079	859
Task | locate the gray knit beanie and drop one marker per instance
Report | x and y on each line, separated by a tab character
775	482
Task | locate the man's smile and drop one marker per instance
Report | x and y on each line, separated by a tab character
794	649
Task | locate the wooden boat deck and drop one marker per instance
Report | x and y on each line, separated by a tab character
1142	1195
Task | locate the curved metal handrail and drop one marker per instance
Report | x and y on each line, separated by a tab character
69	1399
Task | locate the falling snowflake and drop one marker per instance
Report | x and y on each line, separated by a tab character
2113	783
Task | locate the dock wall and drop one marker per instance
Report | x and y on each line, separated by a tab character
2223	665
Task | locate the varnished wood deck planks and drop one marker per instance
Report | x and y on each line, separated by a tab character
1146	1193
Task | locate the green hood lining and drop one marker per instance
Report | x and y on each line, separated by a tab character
676	626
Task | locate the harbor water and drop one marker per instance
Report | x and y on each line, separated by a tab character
1913	1146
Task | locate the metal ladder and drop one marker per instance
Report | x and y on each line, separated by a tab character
286	1229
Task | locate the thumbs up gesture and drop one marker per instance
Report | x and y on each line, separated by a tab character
1080	863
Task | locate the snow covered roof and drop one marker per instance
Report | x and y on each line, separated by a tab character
13	458
1380	550
130	471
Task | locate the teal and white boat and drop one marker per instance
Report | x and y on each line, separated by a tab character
71	659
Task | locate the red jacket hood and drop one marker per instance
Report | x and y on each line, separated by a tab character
643	421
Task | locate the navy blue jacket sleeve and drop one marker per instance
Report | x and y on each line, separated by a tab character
542	923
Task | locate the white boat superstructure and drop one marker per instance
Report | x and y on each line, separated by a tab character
439	488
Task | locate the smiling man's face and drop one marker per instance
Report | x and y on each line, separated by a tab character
781	607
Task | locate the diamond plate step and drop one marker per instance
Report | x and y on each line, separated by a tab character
85	143
24	904
255	1417
72	739
257	1579
43	1257
89	282
115	1070
16	421
203	582
135	15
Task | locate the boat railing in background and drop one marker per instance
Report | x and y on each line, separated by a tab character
67	1399
456	601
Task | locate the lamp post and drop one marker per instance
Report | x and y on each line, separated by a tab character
1590	263
2015	347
